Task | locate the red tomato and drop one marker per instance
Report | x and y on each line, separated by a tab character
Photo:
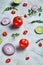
13	12
4	33
23	43
8	60
17	21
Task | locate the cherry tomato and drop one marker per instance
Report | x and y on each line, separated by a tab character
27	58
4	33
40	44
17	21
24	4
23	43
8	60
13	12
25	32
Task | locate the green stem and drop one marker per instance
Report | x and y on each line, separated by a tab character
38	40
38	21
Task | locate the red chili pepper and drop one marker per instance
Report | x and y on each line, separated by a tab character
13	12
25	16
24	4
27	58
4	33
8	60
25	32
40	44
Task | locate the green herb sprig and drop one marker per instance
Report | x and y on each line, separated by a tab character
9	8
31	12
15	35
36	21
40	9
38	40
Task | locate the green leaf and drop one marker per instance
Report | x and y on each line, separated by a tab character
40	9
15	35
31	12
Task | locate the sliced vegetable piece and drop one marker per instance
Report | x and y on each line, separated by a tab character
39	29
1	40
5	21
34	7
17	1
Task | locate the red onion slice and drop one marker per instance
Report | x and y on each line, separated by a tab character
34	7
5	21
8	49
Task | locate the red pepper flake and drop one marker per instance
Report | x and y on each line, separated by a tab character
4	34
25	32
27	58
25	16
24	4
13	12
40	44
8	60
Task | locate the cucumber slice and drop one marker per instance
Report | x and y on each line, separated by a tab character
17	1
39	29
0	40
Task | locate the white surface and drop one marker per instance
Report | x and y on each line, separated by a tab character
35	52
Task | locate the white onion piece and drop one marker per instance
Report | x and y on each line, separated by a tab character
5	21
8	49
34	7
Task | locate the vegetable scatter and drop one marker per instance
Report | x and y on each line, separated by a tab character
8	60
23	43
4	34
17	21
8	49
5	21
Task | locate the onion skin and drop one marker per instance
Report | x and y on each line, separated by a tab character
8	49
